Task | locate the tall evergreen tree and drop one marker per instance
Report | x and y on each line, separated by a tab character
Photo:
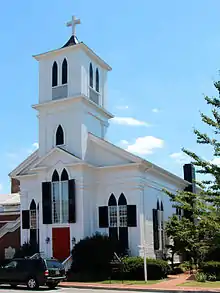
197	234
211	187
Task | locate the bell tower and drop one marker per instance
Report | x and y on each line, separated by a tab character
72	95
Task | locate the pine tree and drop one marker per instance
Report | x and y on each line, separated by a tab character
211	187
197	233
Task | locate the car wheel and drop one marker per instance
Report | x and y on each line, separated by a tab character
32	283
52	285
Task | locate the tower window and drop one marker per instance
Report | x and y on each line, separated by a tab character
97	80
59	136
64	71
90	75
54	74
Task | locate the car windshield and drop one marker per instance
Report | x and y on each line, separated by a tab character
53	264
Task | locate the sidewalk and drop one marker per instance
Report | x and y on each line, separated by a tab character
168	285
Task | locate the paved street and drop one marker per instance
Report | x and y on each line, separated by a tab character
6	289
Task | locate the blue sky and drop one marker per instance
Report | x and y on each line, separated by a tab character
165	55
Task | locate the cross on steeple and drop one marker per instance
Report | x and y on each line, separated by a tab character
73	24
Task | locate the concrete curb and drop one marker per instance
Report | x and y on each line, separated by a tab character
139	289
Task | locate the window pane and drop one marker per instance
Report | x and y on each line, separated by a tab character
56	202
112	216
33	219
65	201
123	216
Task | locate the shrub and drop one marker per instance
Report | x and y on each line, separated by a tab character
176	271
200	277
92	256
211	278
134	268
211	268
186	266
25	250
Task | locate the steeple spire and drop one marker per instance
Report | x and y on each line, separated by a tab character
73	24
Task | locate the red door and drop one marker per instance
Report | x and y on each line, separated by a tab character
61	243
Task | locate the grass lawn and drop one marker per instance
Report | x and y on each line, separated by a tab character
130	282
201	284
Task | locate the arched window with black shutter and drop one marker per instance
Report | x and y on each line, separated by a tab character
54	74
91	75
55	197
113	217
64	197
33	224
123	223
97	80
33	215
59	136
64	71
122	204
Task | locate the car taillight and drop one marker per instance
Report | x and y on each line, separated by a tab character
46	273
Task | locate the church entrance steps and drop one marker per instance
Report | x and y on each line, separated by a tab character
10	227
67	263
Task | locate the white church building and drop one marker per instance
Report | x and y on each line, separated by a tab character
77	183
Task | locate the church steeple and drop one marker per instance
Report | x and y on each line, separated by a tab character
72	86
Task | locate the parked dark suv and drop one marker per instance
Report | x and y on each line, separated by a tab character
32	272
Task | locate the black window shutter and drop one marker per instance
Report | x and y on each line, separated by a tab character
47	203
103	217
132	215
72	201
155	229
25	219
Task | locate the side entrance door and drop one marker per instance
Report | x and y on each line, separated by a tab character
61	243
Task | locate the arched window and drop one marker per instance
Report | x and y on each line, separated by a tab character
64	196
54	74
122	204
97	80
158	205
112	211
59	136
60	197
90	75
64	71
161	206
55	197
33	215
64	175
55	176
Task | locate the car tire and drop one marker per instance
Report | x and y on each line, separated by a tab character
52	285
32	283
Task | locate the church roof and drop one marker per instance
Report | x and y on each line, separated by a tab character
9	199
71	42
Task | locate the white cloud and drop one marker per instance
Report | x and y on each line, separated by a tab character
180	158
144	145
122	107
33	148
124	142
155	110
129	121
1	186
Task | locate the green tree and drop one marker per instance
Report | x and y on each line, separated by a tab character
197	233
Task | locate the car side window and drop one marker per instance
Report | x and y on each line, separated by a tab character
12	264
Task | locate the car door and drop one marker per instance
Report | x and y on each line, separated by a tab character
8	272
